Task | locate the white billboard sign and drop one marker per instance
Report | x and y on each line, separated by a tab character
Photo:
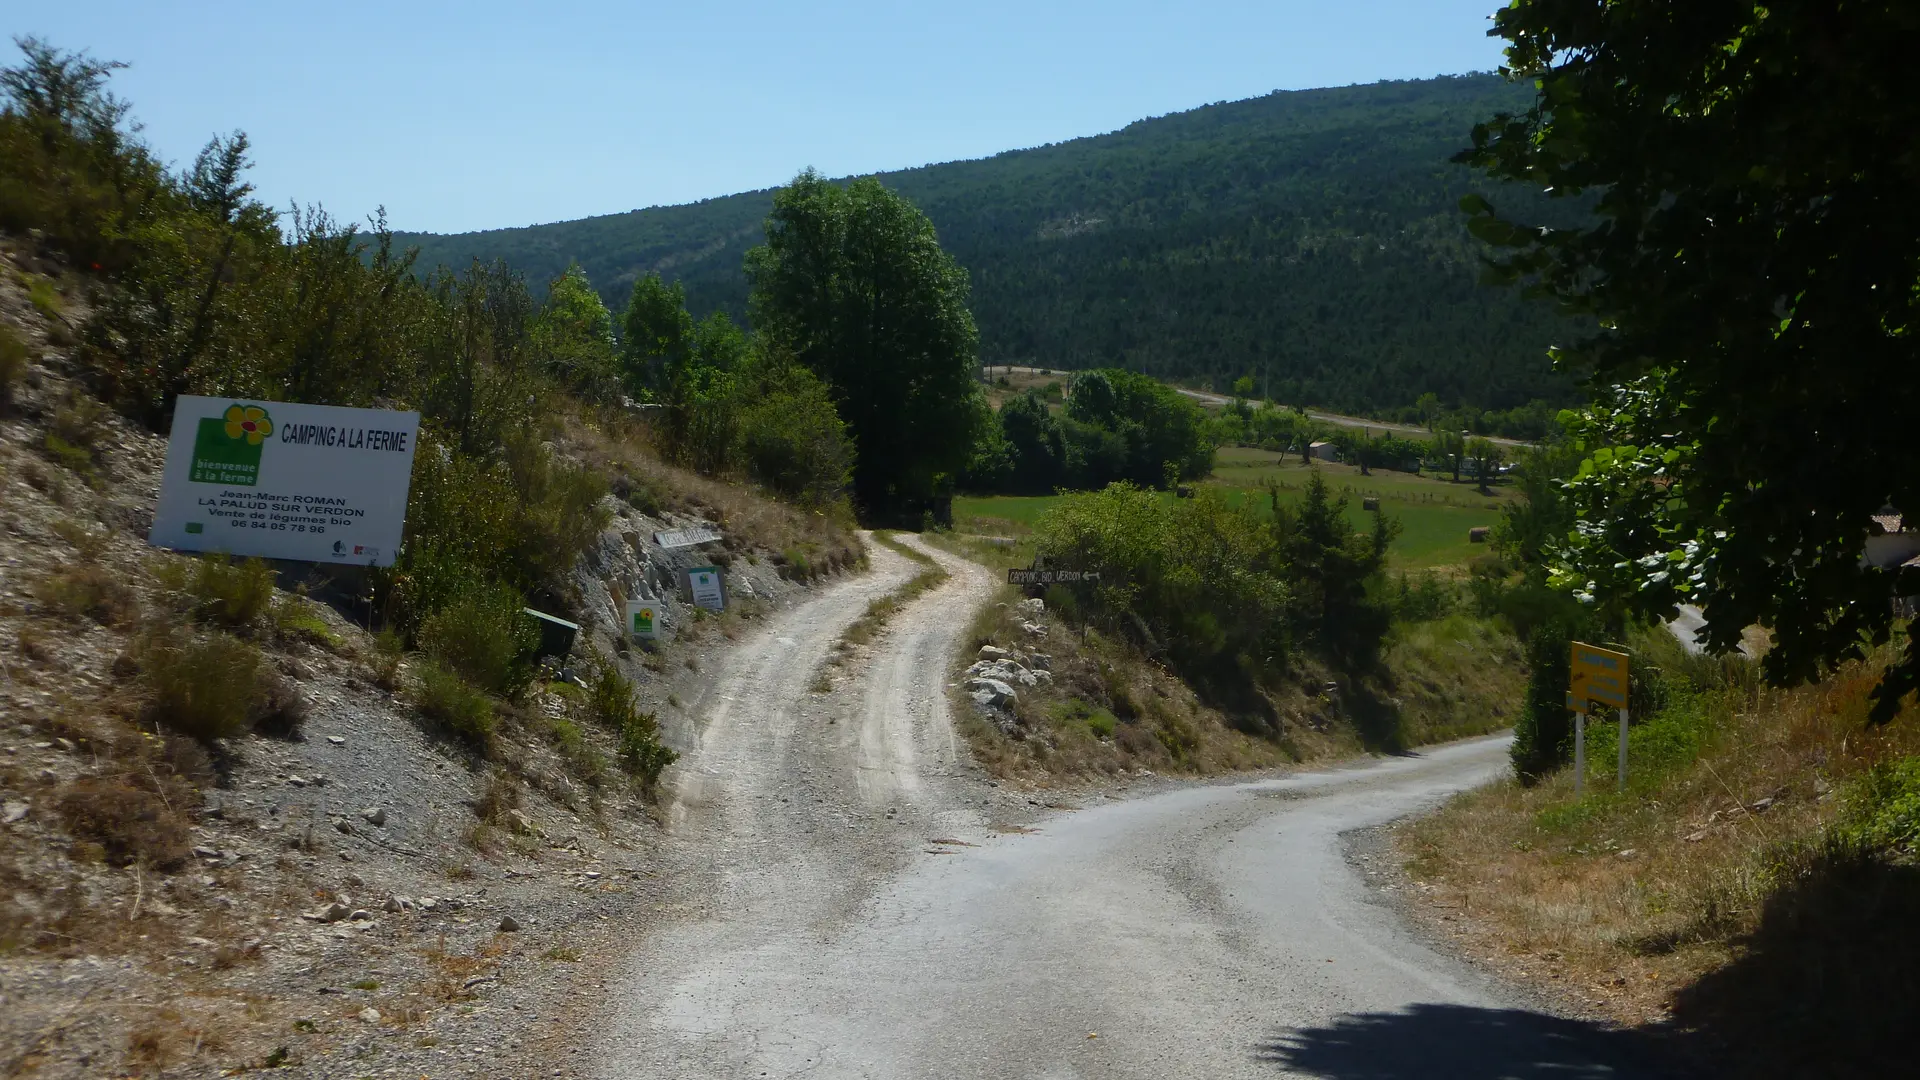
679	538
315	483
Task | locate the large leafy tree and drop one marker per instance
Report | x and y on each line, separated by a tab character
574	334
854	285
1160	430
1754	268
1034	444
657	336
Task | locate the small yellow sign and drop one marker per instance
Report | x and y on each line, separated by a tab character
1598	675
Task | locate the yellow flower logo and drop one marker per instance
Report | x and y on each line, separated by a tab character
250	422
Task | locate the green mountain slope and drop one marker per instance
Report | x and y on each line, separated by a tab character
1309	238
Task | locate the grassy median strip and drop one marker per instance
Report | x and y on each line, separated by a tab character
878	612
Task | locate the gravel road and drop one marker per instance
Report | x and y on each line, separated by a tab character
867	920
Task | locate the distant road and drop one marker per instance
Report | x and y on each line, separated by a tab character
1689	624
1206	398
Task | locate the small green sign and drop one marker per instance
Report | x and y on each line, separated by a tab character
226	449
643	620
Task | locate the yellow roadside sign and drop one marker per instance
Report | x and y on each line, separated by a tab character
1598	675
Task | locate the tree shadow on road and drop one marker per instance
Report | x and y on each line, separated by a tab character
1458	1042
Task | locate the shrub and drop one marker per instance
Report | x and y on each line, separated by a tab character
296	618
448	700
388	649
1196	580
484	637
460	529
519	522
207	686
278	707
582	759
132	824
560	514
75	459
642	753
231	594
794	565
13	364
1099	721
88	543
794	443
644	493
610	701
75	432
44	296
1543	738
1422	598
609	693
1178	735
501	796
1883	808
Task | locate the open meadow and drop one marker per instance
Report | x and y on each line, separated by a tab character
1435	514
1002	384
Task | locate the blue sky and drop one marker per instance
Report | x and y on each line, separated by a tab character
482	114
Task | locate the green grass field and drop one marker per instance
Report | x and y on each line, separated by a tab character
1434	514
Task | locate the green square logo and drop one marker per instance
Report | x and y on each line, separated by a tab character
226	449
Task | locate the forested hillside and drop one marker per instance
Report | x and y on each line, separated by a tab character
1311	239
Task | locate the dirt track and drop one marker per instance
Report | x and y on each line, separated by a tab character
864	919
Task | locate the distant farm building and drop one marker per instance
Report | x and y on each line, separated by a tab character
1890	541
1323	451
1893	544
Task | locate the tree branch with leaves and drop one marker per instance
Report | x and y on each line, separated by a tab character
1753	265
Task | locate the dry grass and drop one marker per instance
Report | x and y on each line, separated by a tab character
989	550
174	1037
502	795
862	629
130	822
134	809
1664	904
87	591
1107	711
818	541
451	974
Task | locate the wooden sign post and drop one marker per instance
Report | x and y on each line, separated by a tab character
1599	676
